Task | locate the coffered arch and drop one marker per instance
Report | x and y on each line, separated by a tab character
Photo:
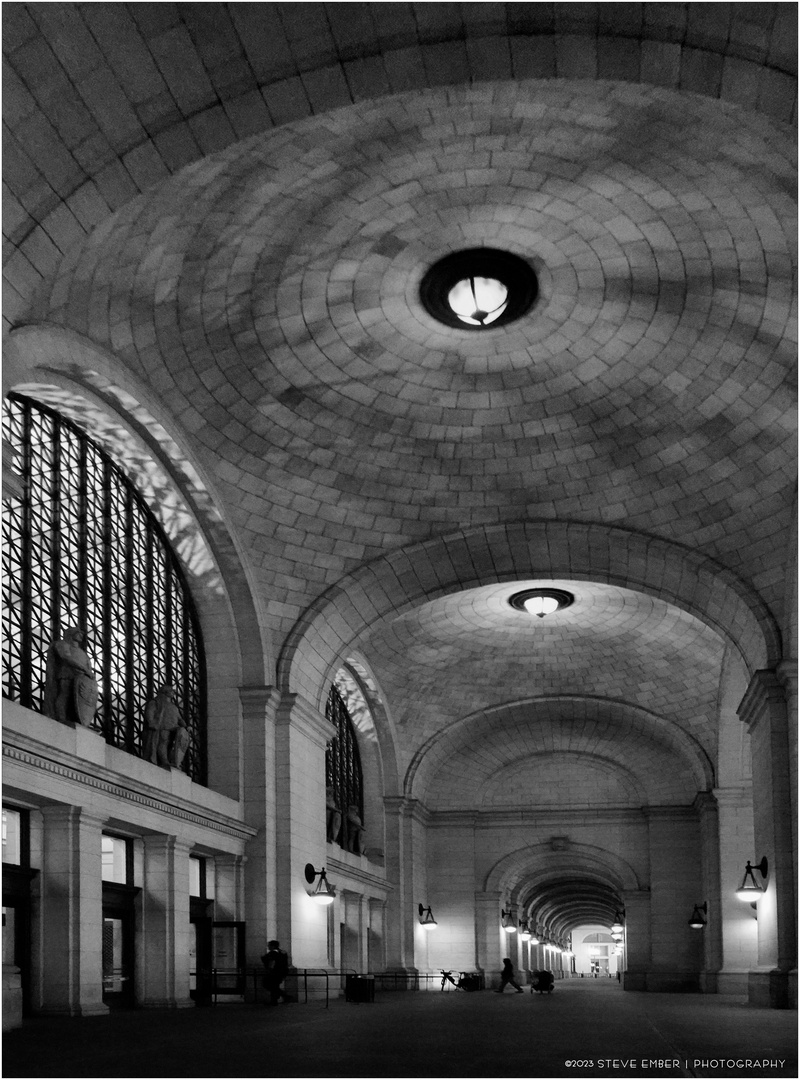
386	588
464	765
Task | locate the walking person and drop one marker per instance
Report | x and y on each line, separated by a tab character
276	967
507	976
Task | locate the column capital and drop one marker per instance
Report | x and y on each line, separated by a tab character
258	701
739	796
73	815
765	690
294	711
787	676
405	807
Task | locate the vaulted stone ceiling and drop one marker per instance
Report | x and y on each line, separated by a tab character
268	296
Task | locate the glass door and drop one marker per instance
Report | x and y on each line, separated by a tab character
118	985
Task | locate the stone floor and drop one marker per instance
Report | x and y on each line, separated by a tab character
585	1029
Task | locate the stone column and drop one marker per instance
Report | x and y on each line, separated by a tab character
710	938
675	887
638	955
302	734
787	676
764	710
165	938
739	930
355	931
488	955
229	888
71	913
376	942
404	865
259	708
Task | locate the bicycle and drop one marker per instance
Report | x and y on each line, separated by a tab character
466	981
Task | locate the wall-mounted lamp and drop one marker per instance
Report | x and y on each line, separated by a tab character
750	890
426	919
524	930
698	919
324	892
508	923
617	926
535	938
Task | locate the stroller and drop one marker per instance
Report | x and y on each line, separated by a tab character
542	982
466	981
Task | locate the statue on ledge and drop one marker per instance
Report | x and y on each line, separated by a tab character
355	831
166	735
71	693
333	816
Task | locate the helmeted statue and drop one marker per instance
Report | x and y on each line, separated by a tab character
70	685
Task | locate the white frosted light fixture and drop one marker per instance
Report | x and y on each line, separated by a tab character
508	923
478	289
750	890
478	300
524	931
541	602
324	892
426	919
541	605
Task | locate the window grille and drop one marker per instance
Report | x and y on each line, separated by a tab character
342	761
82	548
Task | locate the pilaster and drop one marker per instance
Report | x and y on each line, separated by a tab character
71	908
302	734
163	948
259	706
764	709
488	958
405	821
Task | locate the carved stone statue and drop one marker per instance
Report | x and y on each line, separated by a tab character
163	722
180	744
334	816
70	686
355	831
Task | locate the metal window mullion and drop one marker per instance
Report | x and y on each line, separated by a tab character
55	535
128	728
24	679
107	711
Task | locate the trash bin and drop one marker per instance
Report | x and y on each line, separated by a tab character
359	988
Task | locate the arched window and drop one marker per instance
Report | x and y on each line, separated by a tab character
82	548
343	776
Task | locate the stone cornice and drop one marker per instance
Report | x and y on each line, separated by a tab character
30	755
488	819
354	874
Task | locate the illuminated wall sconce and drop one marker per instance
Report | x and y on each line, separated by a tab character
617	926
324	892
507	922
524	930
750	890
426	919
535	938
698	920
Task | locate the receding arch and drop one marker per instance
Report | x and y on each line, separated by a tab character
399	581
511	875
569	723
